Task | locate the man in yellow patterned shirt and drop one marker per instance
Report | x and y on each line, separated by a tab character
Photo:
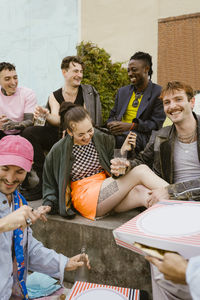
137	106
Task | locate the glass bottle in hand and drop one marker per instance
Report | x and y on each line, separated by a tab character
82	273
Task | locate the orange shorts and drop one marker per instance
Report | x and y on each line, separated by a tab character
85	193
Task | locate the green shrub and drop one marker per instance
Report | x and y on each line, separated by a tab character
105	76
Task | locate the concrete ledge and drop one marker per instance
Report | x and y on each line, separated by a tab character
110	263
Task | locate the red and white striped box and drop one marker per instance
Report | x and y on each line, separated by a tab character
169	225
86	290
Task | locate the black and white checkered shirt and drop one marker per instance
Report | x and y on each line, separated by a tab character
86	162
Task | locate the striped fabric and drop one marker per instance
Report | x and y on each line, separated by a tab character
82	288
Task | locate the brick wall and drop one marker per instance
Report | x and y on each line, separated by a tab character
179	49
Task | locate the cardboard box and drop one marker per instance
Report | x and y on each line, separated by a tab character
169	225
91	291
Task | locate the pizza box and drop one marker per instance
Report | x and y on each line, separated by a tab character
90	291
169	225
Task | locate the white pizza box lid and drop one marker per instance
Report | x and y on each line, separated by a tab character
169	225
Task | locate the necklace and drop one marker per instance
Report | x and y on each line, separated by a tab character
136	100
69	96
187	139
3	92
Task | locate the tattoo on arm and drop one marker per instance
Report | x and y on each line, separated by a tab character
28	121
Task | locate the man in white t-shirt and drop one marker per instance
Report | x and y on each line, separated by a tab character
17	104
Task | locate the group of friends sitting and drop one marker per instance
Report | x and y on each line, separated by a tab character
80	172
18	109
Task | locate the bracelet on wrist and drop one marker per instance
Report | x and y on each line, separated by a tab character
132	126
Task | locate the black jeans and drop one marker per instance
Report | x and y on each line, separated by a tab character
42	138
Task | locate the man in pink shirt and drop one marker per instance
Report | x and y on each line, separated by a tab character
17	104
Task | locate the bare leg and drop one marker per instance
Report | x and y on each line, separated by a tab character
135	198
113	191
143	175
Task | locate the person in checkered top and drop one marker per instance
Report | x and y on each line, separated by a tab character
78	167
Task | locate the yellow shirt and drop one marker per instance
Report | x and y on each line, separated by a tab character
167	122
131	112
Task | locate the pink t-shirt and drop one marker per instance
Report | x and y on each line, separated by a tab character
14	106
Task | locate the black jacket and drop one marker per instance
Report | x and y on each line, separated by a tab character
150	114
159	156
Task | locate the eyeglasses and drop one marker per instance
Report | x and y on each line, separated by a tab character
136	101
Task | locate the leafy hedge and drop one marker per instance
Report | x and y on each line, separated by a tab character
105	76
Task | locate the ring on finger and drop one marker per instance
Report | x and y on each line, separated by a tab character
29	222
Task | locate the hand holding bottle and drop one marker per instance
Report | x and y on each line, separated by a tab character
78	261
129	142
82	273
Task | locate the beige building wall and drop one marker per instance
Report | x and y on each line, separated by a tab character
123	27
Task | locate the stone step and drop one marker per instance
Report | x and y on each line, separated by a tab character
110	263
